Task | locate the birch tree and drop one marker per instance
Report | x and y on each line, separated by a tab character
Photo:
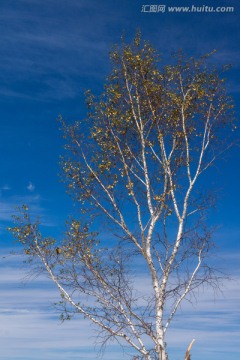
134	167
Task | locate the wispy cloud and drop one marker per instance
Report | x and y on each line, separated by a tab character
30	186
10	204
55	45
28	321
27	311
6	187
37	206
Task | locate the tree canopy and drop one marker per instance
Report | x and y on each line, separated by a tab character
133	167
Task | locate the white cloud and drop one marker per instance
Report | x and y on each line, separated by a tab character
28	319
6	187
35	203
10	203
30	186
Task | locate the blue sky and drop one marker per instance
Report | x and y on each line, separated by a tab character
51	52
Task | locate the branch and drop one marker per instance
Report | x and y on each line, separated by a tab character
167	168
126	167
187	289
187	356
121	223
80	309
